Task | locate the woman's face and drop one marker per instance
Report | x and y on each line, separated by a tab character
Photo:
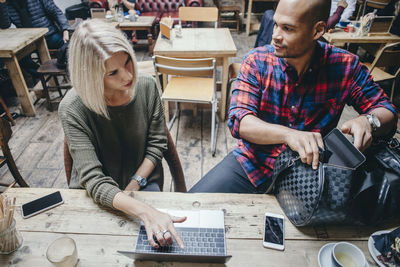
119	73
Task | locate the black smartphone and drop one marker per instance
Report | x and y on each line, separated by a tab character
339	151
41	204
274	235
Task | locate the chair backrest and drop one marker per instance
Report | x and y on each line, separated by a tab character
98	13
199	67
170	155
200	14
381	24
388	57
377	3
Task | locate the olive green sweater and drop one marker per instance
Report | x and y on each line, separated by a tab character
107	153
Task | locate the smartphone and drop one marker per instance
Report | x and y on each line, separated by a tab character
41	204
274	234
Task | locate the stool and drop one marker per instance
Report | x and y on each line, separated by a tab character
50	69
228	14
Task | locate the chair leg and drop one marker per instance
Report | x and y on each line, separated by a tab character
9	116
392	92
57	85
171	123
46	92
13	169
214	128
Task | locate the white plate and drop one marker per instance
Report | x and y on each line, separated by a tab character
372	250
325	256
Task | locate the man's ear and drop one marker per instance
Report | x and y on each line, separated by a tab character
319	29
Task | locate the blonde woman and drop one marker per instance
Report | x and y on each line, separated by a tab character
115	128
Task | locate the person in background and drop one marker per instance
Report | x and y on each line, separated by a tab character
129	5
115	128
37	14
291	94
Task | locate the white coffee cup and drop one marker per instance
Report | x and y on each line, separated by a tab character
62	252
345	254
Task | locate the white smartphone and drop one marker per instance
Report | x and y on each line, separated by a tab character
41	204
274	233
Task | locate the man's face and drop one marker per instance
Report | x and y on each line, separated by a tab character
293	31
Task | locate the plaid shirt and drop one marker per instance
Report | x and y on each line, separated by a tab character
268	88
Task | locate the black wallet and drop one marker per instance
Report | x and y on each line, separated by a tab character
339	151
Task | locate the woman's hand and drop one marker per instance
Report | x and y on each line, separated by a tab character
160	225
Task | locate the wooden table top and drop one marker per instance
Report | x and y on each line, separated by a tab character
13	40
99	232
197	42
340	36
142	21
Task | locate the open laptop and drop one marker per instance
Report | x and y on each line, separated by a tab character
381	24
203	235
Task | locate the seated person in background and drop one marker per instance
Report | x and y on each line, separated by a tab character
115	128
290	94
130	5
37	14
264	35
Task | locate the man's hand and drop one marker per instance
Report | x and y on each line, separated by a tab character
306	144
361	130
3	1
133	186
342	3
65	35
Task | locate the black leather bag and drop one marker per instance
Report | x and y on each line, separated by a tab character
309	196
334	194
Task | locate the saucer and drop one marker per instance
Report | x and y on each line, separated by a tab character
325	256
372	250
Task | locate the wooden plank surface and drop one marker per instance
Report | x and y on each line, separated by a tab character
99	232
197	42
17	39
345	37
142	21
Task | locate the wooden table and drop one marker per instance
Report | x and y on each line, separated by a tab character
145	23
100	232
201	43
16	44
249	26
340	36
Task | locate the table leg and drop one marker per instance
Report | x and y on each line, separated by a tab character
19	84
249	8
224	87
242	8
43	51
150	41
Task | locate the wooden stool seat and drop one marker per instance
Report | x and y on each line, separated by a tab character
50	69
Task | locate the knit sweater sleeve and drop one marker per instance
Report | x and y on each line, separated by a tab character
157	135
73	116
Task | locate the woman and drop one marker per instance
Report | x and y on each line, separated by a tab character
115	128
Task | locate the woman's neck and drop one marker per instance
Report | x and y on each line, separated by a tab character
118	98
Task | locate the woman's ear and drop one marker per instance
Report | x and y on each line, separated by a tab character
319	29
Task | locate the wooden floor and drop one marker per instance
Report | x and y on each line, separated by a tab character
37	142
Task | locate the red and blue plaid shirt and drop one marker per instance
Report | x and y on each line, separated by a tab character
268	88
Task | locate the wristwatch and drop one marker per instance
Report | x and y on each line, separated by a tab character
141	180
373	121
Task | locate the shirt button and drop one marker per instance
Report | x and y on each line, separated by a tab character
293	107
290	124
296	84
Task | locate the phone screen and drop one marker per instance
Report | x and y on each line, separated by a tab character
41	204
273	230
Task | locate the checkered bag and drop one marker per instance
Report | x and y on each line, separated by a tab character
309	196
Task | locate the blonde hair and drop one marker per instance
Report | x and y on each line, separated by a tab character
92	43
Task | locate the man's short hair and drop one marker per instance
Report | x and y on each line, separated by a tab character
319	10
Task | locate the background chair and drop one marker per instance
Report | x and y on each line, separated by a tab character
386	58
170	156
228	14
97	13
376	4
191	81
7	158
199	14
51	70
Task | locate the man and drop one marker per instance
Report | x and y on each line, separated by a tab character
290	94
36	14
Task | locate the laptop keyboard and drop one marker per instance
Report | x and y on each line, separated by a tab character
197	241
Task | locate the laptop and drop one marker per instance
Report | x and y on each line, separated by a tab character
381	24
203	235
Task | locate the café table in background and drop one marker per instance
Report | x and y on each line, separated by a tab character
201	43
145	23
99	232
15	44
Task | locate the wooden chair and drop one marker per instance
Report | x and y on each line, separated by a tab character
51	70
199	14
191	81
386	57
376	4
97	13
170	155
7	158
228	14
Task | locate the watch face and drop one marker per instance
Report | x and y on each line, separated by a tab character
376	121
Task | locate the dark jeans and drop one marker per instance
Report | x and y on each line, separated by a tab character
153	187
227	177
55	40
